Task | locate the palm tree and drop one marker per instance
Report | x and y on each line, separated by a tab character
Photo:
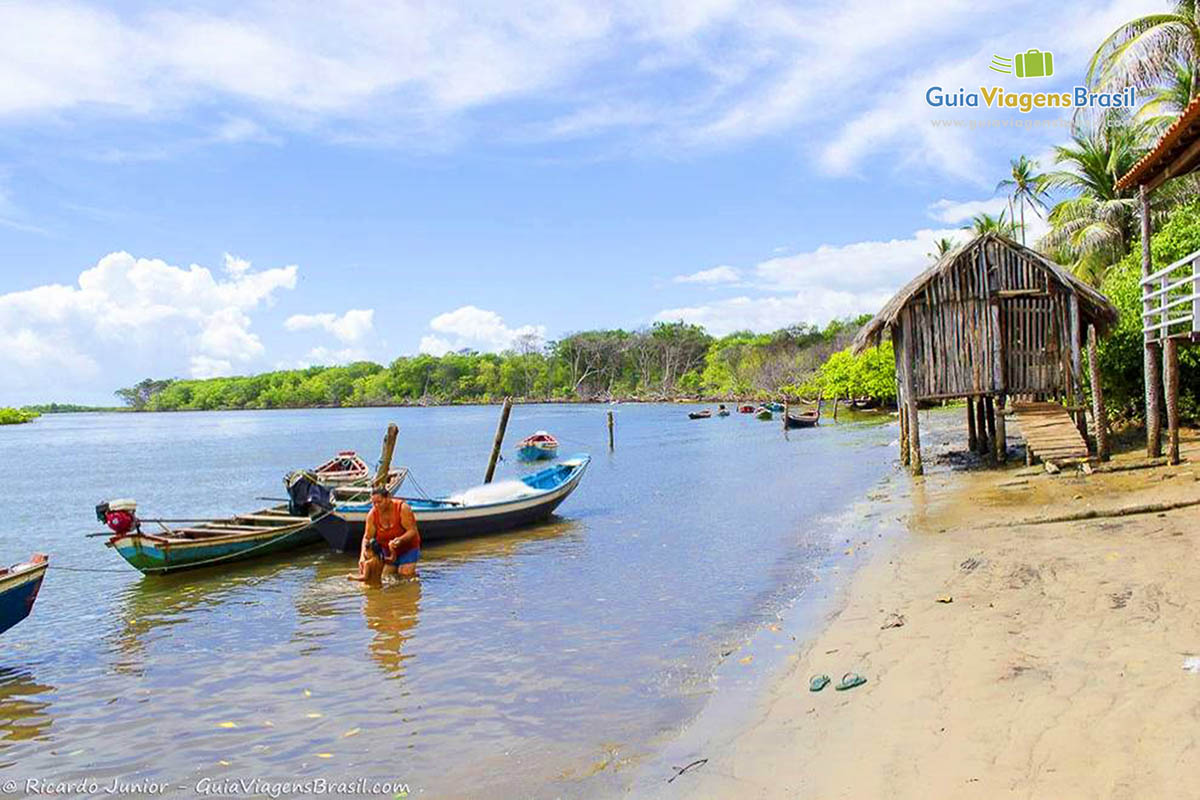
1145	52
941	247
1093	228
1025	187
985	223
1167	102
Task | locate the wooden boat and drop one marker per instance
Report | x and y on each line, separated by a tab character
219	541
705	414
361	490
803	419
778	408
722	411
746	409
456	516
537	447
19	586
763	413
345	468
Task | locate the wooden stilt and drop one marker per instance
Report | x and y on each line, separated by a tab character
1171	390
981	439
1151	356
903	408
972	439
910	399
610	430
835	408
1153	364
1001	430
990	413
1099	412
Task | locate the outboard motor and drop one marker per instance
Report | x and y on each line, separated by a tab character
119	515
307	495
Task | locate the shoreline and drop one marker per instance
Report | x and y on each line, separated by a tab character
1061	641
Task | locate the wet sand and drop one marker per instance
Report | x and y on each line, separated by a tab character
1056	670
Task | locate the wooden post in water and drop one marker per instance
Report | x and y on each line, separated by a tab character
610	429
972	439
787	405
385	455
504	412
1099	412
1171	389
836	398
1150	357
1001	430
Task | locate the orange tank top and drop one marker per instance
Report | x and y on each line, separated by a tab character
386	531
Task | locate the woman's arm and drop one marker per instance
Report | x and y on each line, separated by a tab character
408	521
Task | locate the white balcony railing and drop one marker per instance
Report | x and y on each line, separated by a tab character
1171	301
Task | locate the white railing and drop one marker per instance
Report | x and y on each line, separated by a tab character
1171	300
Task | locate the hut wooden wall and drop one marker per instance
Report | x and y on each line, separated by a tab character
992	322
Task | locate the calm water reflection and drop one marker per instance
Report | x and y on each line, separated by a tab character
514	665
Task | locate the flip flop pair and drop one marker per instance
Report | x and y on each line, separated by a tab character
849	681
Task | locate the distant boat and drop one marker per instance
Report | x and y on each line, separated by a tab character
344	468
776	407
705	414
484	509
203	543
537	447
746	409
763	413
803	419
722	411
19	586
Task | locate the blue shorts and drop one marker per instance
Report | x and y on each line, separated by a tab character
407	557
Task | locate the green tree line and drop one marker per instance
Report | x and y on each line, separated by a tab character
664	361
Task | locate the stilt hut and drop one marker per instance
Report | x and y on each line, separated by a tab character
993	320
1170	293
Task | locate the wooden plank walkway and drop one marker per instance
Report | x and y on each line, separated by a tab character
1050	432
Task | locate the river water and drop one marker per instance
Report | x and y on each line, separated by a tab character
539	663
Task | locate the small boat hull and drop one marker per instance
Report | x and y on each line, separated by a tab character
18	592
764	414
438	521
700	415
158	555
802	420
533	452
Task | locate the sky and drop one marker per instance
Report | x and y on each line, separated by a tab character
204	189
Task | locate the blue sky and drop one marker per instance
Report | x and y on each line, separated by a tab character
203	189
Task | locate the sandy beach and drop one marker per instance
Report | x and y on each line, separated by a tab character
1055	671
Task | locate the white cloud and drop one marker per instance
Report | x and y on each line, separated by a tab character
475	328
667	74
818	285
771	313
721	274
328	356
955	211
349	327
129	317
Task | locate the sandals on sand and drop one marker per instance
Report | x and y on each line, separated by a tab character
849	681
818	682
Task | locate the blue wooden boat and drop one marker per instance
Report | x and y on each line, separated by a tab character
462	515
19	586
221	541
763	413
776	407
537	447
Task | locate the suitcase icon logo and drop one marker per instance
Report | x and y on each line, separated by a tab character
1033	63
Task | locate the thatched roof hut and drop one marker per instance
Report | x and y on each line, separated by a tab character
991	319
